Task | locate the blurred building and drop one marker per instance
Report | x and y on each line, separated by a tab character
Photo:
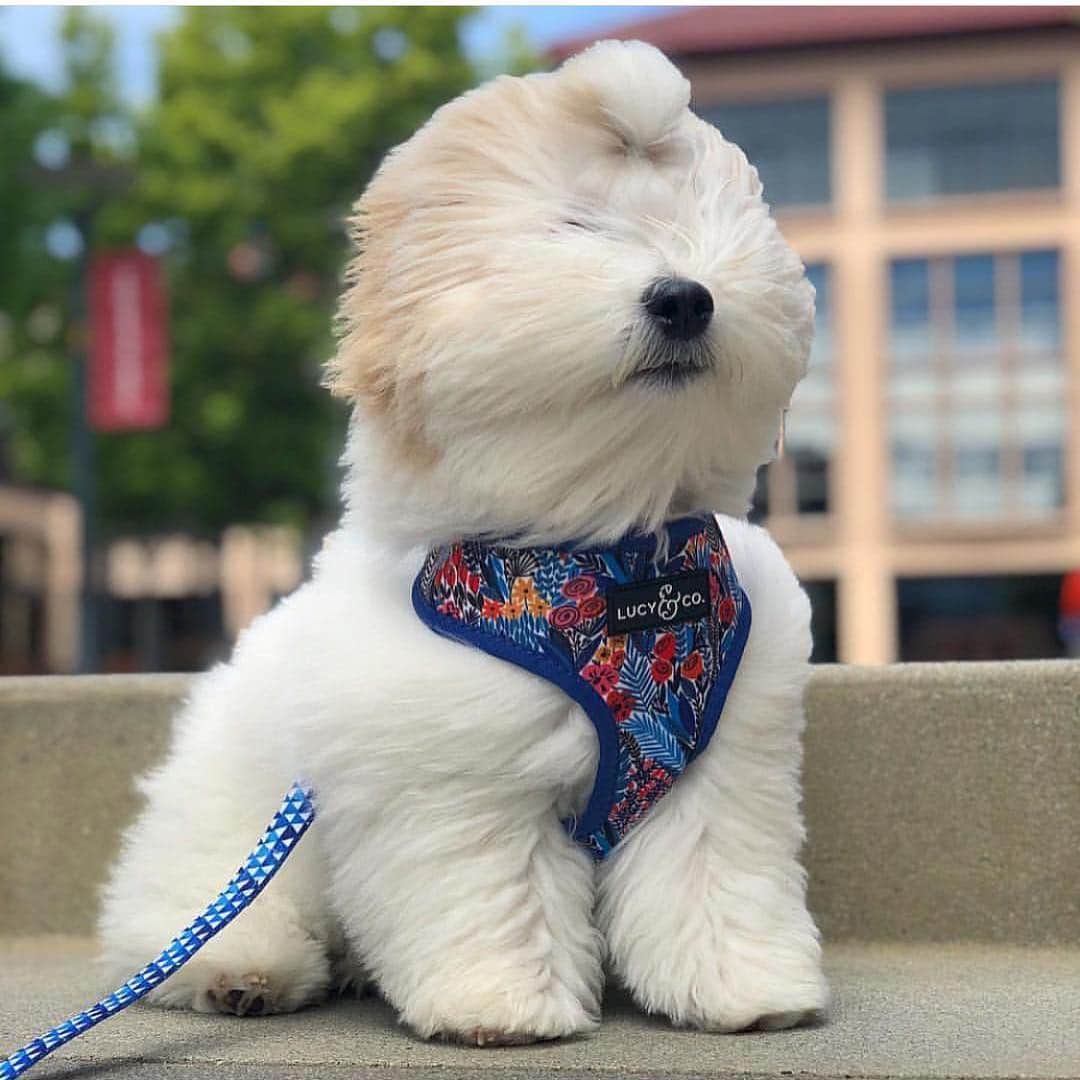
164	603
40	546
925	162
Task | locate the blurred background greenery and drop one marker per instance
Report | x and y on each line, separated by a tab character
240	172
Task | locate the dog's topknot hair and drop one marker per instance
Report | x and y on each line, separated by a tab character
642	93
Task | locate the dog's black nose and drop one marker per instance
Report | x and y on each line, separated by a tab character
680	308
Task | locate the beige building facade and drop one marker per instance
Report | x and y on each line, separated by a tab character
169	602
932	186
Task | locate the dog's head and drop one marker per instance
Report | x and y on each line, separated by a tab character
571	314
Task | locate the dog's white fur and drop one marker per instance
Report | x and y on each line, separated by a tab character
490	334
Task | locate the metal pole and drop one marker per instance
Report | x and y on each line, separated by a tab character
100	182
84	479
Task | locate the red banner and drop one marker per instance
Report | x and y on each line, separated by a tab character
128	386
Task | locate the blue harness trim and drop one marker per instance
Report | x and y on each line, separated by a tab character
292	820
645	636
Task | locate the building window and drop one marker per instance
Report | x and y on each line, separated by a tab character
787	141
823	627
979	618
976	386
971	139
798	482
153	633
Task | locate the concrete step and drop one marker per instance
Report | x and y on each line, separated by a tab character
901	1011
942	800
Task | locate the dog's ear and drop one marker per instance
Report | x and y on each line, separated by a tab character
367	367
629	87
358	367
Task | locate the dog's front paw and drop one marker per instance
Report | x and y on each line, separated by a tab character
216	988
726	1001
250	995
741	984
242	974
780	1021
728	1011
480	1037
491	1017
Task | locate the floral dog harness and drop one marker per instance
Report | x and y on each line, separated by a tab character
647	644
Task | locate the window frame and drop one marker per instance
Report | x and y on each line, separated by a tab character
716	104
1009	398
965	81
780	477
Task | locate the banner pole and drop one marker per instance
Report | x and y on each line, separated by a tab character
84	478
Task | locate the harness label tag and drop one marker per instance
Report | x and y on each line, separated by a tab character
664	601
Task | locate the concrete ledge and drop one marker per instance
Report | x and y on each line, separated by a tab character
942	800
70	748
900	1011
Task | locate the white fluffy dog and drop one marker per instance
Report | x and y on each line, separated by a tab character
512	379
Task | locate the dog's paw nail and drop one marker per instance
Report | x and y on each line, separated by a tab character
255	1006
232	999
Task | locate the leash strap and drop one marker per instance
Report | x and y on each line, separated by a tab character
290	823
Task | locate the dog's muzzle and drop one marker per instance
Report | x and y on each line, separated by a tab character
677	313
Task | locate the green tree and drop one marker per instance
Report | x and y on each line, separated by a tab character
269	123
33	376
57	150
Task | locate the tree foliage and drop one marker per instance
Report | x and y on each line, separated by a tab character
33	376
268	123
53	146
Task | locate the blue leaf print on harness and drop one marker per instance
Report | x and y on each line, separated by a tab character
676	719
656	741
636	678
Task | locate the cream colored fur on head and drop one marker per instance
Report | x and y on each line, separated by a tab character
494	327
494	318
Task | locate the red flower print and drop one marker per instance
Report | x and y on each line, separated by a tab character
562	618
726	611
454	570
621	703
448	607
692	666
592	607
662	670
601	677
579	587
665	646
492	609
714	589
472	582
617	657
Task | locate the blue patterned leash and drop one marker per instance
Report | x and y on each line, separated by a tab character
290	823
